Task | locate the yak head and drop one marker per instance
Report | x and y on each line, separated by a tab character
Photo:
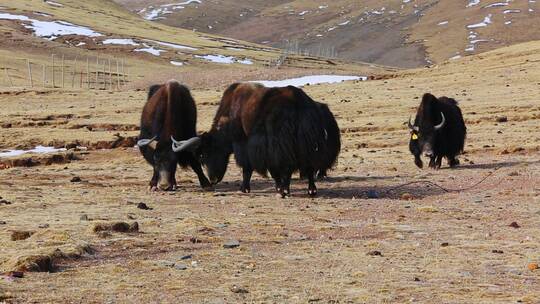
163	159
424	133
212	149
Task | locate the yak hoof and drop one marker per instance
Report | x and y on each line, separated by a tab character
312	192
153	189
245	190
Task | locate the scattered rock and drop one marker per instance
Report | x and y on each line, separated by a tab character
3	222
18	235
445	244
84	217
35	263
231	244
186	257
497	251
532	266
116	227
514	225
4	202
76	179
14	274
195	240
374	253
221	226
180	266
407	197
237	289
165	263
43	226
416	279
502	119
143	206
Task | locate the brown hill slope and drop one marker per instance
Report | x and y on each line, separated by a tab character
403	33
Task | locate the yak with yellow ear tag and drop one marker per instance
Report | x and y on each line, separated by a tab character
438	131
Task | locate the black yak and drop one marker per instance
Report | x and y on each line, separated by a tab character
275	130
438	131
170	111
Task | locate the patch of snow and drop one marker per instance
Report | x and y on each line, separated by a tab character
510	11
487	20
41	14
508	22
52	29
38	149
81	43
150	49
177	63
455	57
174	46
245	61
331	29
54	3
473	3
120	41
323	6
345	23
234	49
443	23
303	13
313	79
223	59
152	13
496	4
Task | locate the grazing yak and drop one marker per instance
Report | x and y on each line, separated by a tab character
275	130
169	112
438	131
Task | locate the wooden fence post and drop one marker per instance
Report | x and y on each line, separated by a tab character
8	77
44	75
53	83
63	71
97	72
30	72
74	72
110	76
123	73
87	73
117	75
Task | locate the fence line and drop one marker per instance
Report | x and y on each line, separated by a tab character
57	73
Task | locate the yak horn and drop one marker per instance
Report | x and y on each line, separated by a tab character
182	145
414	128
439	126
145	142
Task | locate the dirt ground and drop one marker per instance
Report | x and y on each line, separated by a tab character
414	243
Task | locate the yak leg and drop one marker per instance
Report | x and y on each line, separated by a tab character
438	162
312	189
196	167
285	184
247	171
154	180
322	174
277	180
432	162
453	161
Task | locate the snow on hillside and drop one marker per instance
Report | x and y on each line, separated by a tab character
155	13
51	29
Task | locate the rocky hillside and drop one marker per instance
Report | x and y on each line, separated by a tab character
405	33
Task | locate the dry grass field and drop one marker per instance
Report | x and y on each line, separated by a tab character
411	243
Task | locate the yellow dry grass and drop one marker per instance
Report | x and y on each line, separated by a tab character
439	247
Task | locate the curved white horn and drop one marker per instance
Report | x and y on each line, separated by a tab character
145	142
439	126
190	144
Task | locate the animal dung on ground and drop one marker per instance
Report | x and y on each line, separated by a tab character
122	227
18	235
502	119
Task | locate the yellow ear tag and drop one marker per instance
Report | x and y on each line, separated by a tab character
414	137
